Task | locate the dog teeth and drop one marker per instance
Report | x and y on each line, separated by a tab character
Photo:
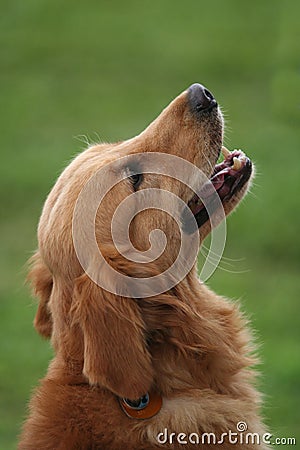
225	152
237	164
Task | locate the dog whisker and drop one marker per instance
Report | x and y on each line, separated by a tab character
203	247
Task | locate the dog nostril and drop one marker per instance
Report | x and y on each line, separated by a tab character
200	98
208	94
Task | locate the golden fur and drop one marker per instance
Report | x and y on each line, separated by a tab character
189	344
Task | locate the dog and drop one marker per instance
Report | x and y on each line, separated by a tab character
132	369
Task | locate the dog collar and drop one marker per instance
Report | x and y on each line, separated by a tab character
144	407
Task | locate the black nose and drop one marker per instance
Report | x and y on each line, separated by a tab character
200	98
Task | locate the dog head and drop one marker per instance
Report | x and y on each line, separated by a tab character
103	328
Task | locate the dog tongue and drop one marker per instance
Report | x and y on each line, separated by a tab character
213	185
216	183
224	190
231	168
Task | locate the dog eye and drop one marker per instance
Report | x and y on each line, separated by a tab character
136	180
138	404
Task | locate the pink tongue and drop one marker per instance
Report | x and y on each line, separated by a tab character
225	189
216	182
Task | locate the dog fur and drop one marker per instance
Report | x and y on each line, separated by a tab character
189	344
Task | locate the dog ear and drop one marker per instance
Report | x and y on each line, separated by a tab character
41	281
115	349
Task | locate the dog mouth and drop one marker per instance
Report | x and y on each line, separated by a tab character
227	179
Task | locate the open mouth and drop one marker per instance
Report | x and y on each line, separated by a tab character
227	179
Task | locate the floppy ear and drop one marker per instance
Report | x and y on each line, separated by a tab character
115	350
41	281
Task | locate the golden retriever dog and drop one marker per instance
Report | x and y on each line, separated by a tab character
143	366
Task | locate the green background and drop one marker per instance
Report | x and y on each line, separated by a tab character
76	72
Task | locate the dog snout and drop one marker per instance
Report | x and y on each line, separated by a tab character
200	98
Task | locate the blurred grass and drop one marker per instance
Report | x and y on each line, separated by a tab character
104	70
